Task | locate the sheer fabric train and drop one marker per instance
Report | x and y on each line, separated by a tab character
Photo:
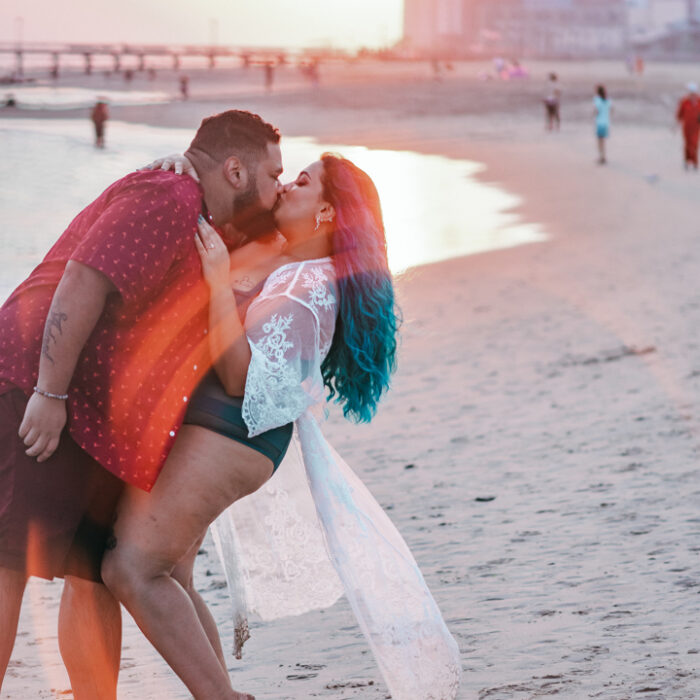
314	531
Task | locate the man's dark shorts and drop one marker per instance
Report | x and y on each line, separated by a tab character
55	516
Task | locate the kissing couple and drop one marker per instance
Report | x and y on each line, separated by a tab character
160	373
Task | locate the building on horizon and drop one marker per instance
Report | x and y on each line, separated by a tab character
547	28
439	26
566	28
665	27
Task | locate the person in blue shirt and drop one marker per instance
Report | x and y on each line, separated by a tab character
603	110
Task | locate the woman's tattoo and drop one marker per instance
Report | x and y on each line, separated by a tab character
244	283
54	323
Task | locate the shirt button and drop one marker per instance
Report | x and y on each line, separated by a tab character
184	398
194	367
172	433
205	331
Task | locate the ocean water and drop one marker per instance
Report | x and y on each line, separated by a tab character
56	98
434	208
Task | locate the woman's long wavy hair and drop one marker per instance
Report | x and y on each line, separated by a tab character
362	357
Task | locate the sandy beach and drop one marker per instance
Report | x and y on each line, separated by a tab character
539	451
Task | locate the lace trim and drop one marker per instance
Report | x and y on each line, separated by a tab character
319	295
275	343
241	634
273	392
293	567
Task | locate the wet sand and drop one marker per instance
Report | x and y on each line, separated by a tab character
539	451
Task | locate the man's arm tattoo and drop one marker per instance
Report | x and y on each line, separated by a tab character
54	324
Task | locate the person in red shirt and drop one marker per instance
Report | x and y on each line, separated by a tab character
100	349
99	116
688	116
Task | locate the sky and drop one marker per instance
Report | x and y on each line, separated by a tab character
293	23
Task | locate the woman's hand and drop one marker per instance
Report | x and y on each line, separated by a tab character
176	162
216	263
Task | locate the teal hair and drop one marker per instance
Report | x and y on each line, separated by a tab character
362	357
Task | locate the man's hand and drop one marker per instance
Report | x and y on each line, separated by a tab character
43	422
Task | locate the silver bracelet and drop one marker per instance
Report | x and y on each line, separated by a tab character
49	395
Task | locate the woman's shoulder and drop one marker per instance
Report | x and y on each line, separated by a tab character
311	282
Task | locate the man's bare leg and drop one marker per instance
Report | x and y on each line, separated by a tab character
89	637
12	584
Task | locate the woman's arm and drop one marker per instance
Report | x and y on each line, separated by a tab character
227	339
289	328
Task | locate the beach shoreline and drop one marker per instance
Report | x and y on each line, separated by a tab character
539	449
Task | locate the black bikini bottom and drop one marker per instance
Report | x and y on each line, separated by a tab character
212	408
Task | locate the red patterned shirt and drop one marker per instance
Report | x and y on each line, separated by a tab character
149	348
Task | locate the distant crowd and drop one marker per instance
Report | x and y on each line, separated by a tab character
687	117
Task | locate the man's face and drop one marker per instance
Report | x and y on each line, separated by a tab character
268	176
253	208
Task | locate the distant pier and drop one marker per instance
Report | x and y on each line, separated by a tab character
142	52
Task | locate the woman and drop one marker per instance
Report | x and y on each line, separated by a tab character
324	319
602	112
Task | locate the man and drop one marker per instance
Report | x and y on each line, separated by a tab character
551	104
100	349
99	116
688	116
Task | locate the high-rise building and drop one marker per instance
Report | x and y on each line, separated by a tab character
656	18
442	26
669	28
554	27
517	27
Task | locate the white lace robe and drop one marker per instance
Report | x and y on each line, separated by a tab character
314	531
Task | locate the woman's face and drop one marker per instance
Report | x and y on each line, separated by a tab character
300	200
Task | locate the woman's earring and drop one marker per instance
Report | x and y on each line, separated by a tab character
318	221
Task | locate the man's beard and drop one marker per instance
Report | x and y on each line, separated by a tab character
273	213
250	217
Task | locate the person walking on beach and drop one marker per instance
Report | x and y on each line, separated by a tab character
100	349
269	69
99	116
184	81
551	104
602	109
688	116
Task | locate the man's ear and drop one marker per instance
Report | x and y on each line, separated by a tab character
236	173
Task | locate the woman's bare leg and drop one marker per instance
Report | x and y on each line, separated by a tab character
203	475
183	573
601	150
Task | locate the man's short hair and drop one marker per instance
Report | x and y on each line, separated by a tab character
234	132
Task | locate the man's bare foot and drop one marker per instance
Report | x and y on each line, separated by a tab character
242	696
